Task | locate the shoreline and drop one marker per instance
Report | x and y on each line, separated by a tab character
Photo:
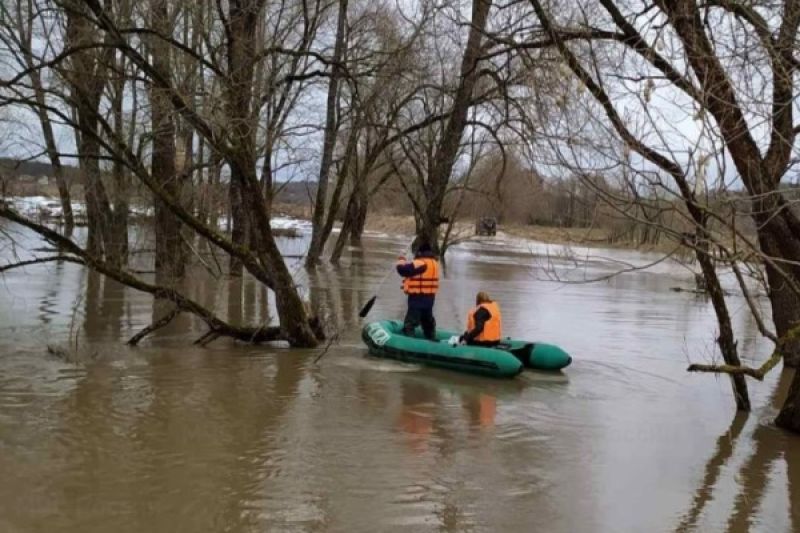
296	217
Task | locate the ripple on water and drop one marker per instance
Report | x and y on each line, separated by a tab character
520	433
48	309
374	364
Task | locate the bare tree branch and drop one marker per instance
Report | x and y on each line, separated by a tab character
40	260
158	324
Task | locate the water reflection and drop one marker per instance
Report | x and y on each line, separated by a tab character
767	446
235	300
188	444
247	301
107	315
724	451
416	418
48	307
334	297
481	411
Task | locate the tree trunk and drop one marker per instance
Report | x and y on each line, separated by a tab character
726	342
215	199
360	219
341	180
331	126
355	211
784	302
170	255
789	416
25	27
240	232
203	183
120	215
350	220
186	173
778	227
53	155
447	150
87	80
119	224
98	209
294	322
58	172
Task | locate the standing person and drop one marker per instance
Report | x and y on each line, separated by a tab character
484	323
420	283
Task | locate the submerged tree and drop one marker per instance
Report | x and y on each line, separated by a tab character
23	40
171	251
668	53
318	236
95	33
448	144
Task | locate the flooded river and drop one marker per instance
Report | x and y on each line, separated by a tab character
171	437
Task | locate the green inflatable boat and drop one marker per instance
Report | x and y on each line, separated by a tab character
385	339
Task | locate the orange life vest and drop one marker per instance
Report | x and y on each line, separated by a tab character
425	283
491	328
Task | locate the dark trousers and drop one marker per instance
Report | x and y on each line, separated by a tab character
416	316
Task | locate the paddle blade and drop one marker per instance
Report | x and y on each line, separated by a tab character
367	306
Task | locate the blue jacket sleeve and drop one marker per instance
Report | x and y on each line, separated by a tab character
408	270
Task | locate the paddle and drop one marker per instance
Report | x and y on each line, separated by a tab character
368	306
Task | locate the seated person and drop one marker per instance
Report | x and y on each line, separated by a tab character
484	323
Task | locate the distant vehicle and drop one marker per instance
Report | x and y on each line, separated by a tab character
486	226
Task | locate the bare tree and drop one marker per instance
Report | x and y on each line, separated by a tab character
331	126
25	18
228	131
170	255
86	74
674	50
450	140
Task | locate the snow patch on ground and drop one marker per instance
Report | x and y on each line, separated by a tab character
277	222
377	234
37	206
142	211
280	222
34	206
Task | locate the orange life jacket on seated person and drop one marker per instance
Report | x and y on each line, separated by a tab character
491	328
425	283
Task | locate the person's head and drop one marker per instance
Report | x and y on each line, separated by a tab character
482	298
424	247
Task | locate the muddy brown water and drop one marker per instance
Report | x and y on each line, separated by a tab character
171	437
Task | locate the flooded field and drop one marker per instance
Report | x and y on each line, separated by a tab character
171	437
